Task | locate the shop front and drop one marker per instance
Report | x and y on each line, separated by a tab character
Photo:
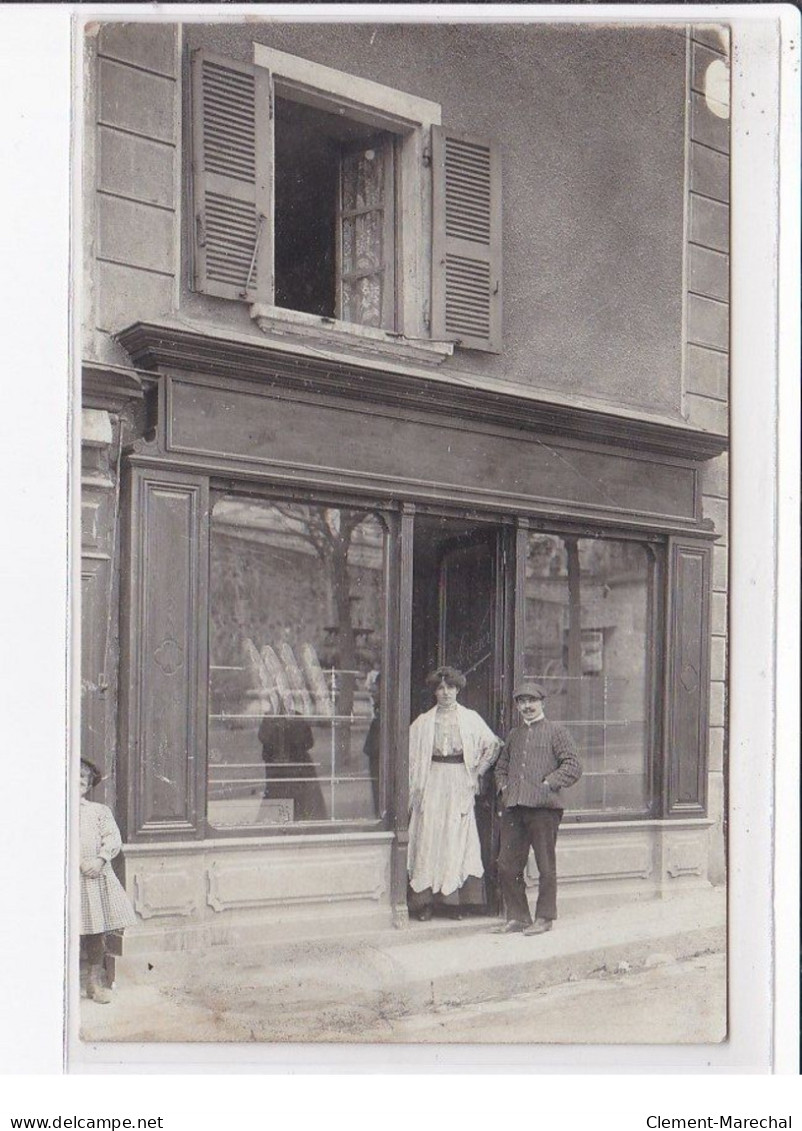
303	539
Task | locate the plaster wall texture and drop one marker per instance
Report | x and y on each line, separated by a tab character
707	376
708	263
131	171
591	124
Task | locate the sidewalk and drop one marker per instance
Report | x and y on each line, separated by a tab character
359	988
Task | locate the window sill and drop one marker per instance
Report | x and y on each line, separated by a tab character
596	822
215	842
346	338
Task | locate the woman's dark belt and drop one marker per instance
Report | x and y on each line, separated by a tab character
449	759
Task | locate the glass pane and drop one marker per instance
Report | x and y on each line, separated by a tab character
586	641
362	243
297	599
362	300
362	239
363	179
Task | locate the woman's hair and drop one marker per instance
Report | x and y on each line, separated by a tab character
94	773
452	676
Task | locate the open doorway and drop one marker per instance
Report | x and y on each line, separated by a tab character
459	616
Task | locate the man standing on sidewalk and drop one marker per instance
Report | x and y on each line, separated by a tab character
537	763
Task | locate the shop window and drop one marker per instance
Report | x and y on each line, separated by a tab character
343	202
588	632
297	597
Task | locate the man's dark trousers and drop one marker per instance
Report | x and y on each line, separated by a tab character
523	828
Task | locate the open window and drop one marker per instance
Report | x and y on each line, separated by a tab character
334	221
325	199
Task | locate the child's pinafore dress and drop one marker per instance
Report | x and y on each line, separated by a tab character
104	904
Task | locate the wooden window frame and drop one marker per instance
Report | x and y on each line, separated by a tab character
388	514
160	500
443	210
386	148
409	119
658	597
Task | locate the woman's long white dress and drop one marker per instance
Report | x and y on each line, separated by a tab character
444	845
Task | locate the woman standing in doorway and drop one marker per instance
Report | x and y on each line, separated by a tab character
450	747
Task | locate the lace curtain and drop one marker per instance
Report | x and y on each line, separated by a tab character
364	254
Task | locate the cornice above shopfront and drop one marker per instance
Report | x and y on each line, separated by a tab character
174	345
109	387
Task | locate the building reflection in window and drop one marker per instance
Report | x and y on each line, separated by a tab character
587	636
296	630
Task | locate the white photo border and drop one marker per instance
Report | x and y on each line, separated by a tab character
40	453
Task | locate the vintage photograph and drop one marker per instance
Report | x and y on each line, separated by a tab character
404	531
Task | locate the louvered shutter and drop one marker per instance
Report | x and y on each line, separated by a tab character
232	178
466	240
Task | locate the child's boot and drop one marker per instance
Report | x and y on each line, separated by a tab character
96	990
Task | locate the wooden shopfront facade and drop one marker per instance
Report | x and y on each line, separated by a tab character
319	459
301	548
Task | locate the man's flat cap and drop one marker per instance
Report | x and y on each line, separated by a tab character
529	687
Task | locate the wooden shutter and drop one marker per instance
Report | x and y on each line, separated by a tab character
232	178
466	240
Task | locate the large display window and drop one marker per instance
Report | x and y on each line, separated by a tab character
277	643
588	639
296	640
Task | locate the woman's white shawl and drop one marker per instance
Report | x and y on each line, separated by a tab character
480	747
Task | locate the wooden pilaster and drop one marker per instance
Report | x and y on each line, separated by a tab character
403	579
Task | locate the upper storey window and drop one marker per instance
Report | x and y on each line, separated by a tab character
342	201
333	216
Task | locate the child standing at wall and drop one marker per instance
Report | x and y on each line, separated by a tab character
104	904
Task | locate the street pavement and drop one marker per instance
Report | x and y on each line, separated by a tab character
671	1003
647	972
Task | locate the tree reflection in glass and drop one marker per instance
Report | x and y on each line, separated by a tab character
296	629
588	620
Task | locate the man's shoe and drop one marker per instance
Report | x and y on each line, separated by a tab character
512	926
424	914
539	927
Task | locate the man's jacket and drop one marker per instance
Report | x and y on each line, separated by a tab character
542	752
